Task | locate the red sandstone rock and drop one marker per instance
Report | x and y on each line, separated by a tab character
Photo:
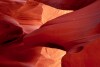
9	29
77	32
14	54
67	4
73	29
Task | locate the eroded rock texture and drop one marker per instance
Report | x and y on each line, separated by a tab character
23	17
77	33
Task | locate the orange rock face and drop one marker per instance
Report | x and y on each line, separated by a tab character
24	14
77	33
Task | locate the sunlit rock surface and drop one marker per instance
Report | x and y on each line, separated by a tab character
30	16
78	33
27	16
